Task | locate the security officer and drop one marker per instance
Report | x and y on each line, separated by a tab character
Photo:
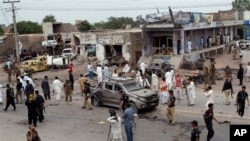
32	109
209	117
10	98
19	88
87	99
123	101
40	106
171	108
68	91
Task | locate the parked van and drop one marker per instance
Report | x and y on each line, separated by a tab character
69	52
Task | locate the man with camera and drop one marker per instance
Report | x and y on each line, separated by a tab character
115	132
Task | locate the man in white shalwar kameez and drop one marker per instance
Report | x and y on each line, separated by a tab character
99	73
57	88
169	79
191	92
106	72
209	95
1	95
143	67
115	125
155	82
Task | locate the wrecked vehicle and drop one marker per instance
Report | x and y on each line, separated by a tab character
107	93
159	66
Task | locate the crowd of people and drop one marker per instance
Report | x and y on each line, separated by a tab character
171	87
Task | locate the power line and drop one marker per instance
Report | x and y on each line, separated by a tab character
120	8
5	15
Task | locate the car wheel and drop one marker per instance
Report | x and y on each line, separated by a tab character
95	102
133	106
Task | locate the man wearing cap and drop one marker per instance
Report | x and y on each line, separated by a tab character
195	133
209	117
171	108
241	98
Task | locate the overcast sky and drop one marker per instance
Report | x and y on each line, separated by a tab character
96	10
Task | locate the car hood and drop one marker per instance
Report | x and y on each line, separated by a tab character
143	92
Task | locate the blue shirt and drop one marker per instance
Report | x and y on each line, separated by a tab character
128	116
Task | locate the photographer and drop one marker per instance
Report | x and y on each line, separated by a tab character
209	95
115	132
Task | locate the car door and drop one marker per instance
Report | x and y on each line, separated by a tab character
116	96
106	93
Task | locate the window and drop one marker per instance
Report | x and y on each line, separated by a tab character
109	86
118	88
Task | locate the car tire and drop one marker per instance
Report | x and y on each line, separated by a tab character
134	107
95	102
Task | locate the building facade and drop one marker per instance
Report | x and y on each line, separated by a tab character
168	35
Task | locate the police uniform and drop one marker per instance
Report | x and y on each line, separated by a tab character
32	109
68	91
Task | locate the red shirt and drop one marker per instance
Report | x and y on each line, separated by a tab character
163	86
178	82
71	67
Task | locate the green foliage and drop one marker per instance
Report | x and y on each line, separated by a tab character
49	18
28	27
241	5
1	31
119	23
84	26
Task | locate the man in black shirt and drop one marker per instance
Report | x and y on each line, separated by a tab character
19	87
124	99
40	106
227	89
46	88
242	96
209	117
71	79
32	109
10	98
171	108
195	133
29	89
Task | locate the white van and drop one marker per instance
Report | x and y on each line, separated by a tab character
69	52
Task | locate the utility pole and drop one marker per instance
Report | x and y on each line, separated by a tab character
14	24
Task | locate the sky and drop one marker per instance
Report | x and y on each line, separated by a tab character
68	11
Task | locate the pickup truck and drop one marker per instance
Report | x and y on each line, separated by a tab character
107	93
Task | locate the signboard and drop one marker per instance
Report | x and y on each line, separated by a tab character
199	25
111	40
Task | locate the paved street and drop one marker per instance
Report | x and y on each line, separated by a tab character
65	121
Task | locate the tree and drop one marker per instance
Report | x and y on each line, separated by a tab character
28	27
1	31
241	5
49	18
84	26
